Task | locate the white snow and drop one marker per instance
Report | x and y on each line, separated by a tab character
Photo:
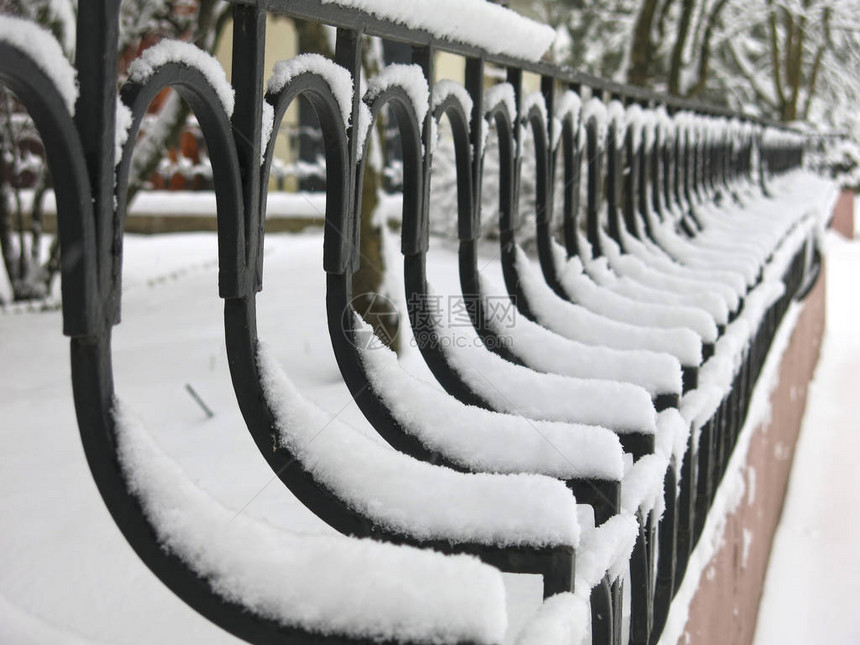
547	351
124	119
635	121
490	441
444	88
268	118
40	45
177	51
502	93
643	485
616	115
478	23
535	100
856	216
364	126
185	203
582	289
578	323
90	555
338	79
812	587
53	522
731	489
519	390
643	265
408	77
672	433
600	271
562	619
649	130
248	561
568	106
412	497
595	110
605	550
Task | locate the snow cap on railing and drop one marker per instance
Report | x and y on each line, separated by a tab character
569	106
606	550
684	127
471	22
649	129
408	77
177	51
501	93
665	125
40	45
775	137
615	112
246	561
339	79
445	88
635	122
534	100
595	110
716	130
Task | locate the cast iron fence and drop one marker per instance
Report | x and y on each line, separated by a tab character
690	160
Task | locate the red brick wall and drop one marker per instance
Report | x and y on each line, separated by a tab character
724	608
843	214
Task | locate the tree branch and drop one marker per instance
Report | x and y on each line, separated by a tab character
749	77
678	49
816	62
774	56
705	55
641	52
794	61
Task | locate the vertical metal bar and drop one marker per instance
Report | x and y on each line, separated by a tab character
515	78
613	176
95	118
424	57
475	86
594	186
631	175
348	55
547	87
249	43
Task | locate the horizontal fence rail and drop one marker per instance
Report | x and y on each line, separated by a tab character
617	172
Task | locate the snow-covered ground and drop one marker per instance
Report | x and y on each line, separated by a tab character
856	216
66	573
812	590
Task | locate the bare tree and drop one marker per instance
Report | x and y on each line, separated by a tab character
773	57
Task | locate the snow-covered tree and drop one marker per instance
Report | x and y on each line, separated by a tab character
794	59
784	59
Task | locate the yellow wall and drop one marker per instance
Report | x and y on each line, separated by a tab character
281	43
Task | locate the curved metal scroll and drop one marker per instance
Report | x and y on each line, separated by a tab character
82	306
92	372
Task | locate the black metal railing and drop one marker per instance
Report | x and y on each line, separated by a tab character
658	162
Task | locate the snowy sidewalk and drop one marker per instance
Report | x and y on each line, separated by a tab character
67	576
812	590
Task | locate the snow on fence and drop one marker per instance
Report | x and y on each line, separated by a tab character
585	443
